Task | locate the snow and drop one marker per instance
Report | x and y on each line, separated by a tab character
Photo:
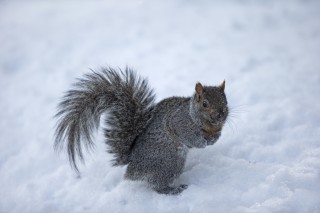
268	158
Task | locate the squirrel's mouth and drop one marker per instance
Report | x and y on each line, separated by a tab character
219	120
217	123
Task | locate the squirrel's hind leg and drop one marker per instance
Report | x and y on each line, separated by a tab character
171	190
158	186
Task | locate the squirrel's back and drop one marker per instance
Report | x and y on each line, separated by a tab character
161	114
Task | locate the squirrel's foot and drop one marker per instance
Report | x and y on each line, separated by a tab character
172	190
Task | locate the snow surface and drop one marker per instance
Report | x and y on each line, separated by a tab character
268	158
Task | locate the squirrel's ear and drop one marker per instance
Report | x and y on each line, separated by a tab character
199	90
222	85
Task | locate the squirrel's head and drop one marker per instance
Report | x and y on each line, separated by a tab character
210	104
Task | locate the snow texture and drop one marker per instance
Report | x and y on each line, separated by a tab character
268	158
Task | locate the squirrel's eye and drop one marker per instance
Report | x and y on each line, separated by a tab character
205	104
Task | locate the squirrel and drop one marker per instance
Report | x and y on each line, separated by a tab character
151	139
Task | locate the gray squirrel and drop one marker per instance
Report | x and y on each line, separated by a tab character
151	139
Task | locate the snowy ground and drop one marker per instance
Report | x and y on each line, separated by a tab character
268	159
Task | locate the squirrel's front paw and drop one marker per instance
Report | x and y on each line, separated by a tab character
214	138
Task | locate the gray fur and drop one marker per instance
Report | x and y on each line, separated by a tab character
152	139
128	100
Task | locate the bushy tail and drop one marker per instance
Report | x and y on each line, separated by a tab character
128	101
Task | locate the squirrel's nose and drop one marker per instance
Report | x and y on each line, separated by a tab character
218	116
214	115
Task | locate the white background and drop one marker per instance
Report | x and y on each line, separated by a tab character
268	158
